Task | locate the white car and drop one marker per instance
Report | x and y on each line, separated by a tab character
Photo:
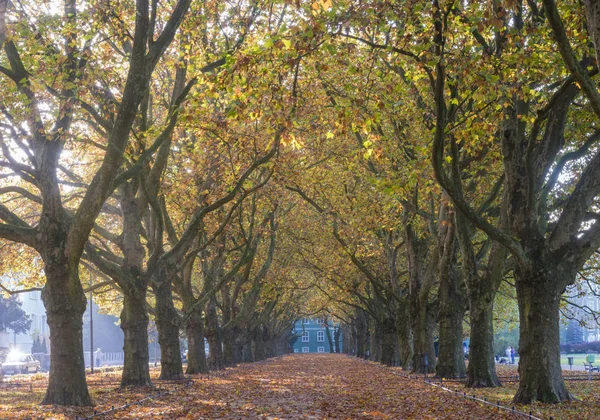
20	363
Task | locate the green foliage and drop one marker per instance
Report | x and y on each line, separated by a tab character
12	317
573	333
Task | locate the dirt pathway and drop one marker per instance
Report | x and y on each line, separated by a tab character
312	387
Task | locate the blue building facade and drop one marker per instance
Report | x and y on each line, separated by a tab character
312	336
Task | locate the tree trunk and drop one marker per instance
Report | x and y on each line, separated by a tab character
592	12
269	348
389	340
214	338
268	342
404	338
376	343
329	339
167	324
195	334
451	357
238	346
361	336
228	347
259	345
247	355
65	308
134	323
423	341
336	338
481	372
539	340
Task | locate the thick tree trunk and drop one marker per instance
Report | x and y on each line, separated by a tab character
134	323
65	308
195	334
389	340
405	339
214	337
215	352
228	347
451	358
336	338
238	355
354	337
423	342
481	372
592	13
269	348
361	336
329	339
167	323
259	345
539	341
247	355
376	343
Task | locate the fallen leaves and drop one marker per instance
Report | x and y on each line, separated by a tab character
315	386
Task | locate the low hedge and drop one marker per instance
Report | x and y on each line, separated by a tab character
592	347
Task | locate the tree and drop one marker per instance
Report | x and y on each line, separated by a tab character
12	317
574	333
59	232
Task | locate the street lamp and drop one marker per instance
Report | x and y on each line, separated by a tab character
91	324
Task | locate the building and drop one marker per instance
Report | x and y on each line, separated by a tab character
585	311
32	304
312	336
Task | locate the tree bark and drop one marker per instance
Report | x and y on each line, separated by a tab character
134	323
389	339
539	340
259	345
167	324
196	357
362	341
404	337
423	341
247	355
481	372
228	347
329	339
375	347
592	13
65	308
451	358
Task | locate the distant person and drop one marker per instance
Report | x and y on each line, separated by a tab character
98	356
512	355
507	352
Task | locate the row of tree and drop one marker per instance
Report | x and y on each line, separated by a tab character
219	166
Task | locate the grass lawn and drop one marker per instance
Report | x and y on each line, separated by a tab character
587	393
578	359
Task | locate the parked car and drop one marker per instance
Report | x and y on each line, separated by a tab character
20	363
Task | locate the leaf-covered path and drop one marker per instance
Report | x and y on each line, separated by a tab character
311	387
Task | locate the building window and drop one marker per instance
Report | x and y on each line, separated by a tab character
320	336
305	349
295	350
305	337
321	349
306	320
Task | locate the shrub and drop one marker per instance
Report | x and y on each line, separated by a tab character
593	346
